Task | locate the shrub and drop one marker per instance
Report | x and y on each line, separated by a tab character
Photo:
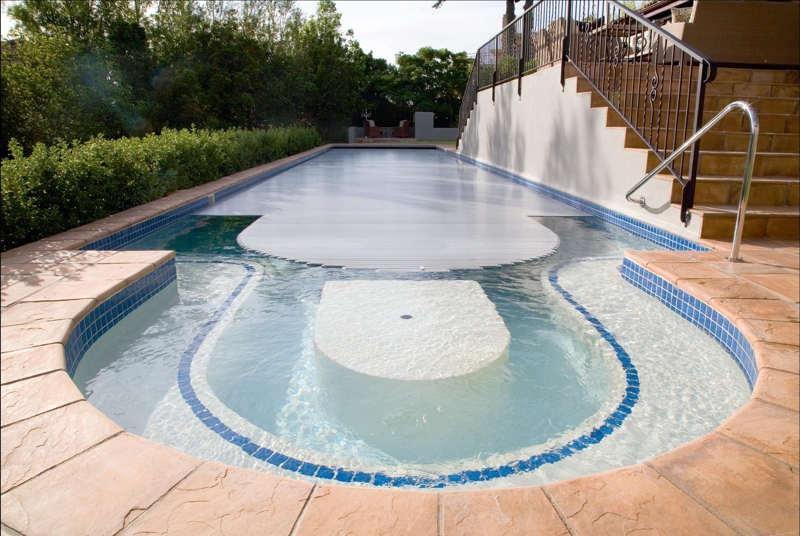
66	185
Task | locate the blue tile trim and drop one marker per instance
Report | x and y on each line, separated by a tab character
111	311
698	313
635	227
283	461
137	231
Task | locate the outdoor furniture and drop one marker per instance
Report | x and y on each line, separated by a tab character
403	131
370	130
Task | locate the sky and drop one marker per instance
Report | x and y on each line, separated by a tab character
387	27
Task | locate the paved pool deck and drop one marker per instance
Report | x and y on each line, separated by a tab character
68	469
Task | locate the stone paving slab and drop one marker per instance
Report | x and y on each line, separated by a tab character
31	312
27	398
24	336
778	387
748	489
29	362
344	510
219	499
500	512
631	500
25	288
777	356
97	492
99	290
42	442
782	440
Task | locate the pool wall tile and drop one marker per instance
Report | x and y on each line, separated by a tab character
115	308
698	313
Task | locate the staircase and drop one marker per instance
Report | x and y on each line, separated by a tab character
774	205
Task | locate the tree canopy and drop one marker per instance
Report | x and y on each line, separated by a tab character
73	69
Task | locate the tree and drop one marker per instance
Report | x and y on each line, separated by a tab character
431	80
333	69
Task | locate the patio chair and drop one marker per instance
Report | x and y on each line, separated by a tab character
370	130
403	131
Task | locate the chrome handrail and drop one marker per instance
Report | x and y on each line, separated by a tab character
748	168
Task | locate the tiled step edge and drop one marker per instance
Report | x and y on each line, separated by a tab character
110	312
643	230
699	313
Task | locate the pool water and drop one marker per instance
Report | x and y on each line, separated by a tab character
258	371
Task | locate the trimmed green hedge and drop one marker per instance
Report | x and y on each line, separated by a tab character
60	187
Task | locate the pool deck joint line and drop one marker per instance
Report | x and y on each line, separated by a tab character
66	468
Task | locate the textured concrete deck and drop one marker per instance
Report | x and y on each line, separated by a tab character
67	469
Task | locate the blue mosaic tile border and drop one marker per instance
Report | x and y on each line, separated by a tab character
135	232
644	230
289	463
698	313
111	311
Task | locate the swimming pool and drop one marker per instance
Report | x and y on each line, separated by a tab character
597	374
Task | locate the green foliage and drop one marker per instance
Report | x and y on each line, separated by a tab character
75	69
67	185
431	80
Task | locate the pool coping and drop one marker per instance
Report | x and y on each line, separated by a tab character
67	468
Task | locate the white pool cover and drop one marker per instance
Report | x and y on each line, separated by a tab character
395	209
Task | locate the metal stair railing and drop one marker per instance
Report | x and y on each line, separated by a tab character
533	40
748	168
655	81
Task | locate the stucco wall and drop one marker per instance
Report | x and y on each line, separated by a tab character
423	123
556	138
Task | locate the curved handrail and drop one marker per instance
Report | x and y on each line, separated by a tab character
748	168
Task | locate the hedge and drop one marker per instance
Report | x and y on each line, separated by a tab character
66	185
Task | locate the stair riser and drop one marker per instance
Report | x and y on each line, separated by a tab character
753	90
686	89
710	104
724	74
721	226
720	141
766	165
760	105
773	194
733	122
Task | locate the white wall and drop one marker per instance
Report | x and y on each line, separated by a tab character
557	139
423	125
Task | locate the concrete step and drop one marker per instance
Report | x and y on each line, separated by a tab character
641	83
713	103
733	122
762	105
718	141
764	191
729	163
719	221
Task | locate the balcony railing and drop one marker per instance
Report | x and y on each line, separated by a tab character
652	79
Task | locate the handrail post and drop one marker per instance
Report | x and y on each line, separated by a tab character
521	62
687	196
565	45
748	167
494	74
746	180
